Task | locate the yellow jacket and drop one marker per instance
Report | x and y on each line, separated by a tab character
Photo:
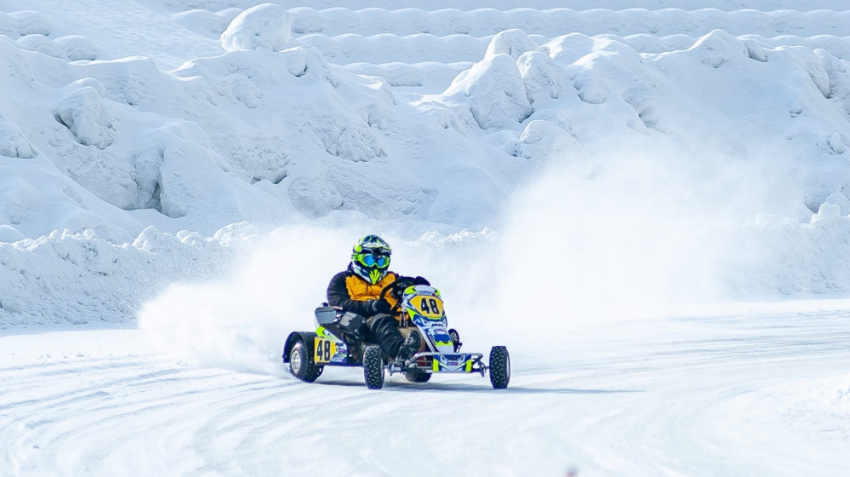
352	293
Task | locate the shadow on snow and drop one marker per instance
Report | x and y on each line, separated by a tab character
465	388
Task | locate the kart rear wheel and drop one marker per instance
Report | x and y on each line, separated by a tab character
500	367
373	367
301	365
417	376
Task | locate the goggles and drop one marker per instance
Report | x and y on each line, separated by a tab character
373	260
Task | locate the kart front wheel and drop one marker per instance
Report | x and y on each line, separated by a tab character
373	367
500	367
417	376
300	364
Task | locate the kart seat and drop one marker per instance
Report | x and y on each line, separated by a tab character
325	315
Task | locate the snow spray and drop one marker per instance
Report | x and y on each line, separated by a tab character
624	233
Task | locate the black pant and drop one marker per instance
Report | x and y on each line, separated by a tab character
383	330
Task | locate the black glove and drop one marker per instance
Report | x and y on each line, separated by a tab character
421	281
380	306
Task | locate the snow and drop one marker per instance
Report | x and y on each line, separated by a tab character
199	169
196	138
40	44
77	48
510	42
264	26
216	141
763	393
84	113
13	142
81	278
9	234
493	92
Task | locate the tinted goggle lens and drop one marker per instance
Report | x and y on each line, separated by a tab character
372	260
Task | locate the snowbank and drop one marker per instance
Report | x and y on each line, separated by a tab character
272	132
80	278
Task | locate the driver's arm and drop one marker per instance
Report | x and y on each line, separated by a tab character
338	296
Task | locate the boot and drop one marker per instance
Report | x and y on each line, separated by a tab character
409	347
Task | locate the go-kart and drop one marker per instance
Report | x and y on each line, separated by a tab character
340	340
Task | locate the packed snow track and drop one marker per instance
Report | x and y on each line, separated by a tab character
764	394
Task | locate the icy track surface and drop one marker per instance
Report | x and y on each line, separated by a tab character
761	394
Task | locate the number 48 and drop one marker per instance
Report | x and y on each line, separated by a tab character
430	306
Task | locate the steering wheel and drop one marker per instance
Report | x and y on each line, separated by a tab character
399	283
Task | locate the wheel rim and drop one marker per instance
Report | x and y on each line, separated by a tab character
295	359
507	366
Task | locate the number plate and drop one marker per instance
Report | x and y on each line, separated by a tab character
323	350
428	306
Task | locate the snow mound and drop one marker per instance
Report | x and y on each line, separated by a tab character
494	92
27	22
69	47
78	48
827	213
510	42
547	142
265	26
42	44
35	197
718	48
841	200
85	114
9	234
567	49
543	78
12	140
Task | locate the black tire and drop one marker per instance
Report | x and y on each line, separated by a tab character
301	363
373	367
500	367
453	334
417	376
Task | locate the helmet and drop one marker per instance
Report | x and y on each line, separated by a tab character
370	259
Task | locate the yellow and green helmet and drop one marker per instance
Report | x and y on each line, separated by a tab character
370	259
